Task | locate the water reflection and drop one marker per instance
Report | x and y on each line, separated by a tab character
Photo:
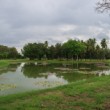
32	70
10	68
28	76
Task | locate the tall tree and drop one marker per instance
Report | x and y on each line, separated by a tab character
58	50
104	46
97	52
51	52
90	43
104	43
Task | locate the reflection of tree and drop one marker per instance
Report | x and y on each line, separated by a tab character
10	68
74	76
33	71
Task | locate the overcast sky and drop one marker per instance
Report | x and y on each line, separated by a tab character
23	21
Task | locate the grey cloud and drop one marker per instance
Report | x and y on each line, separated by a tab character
23	21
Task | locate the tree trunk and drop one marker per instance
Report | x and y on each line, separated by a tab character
77	58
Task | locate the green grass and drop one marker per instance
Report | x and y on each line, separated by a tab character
6	62
3	63
91	94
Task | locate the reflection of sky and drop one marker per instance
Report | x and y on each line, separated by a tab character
103	72
24	83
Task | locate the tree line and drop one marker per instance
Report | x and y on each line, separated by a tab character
72	49
8	52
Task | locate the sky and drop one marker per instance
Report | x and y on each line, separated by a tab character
24	21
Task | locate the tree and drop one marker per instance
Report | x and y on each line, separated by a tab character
34	50
97	51
103	5
51	52
30	51
74	47
41	48
13	53
58	50
104	43
90	43
8	52
104	46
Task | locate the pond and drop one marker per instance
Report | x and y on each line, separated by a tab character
22	77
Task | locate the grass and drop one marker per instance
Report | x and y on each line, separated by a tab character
3	63
91	94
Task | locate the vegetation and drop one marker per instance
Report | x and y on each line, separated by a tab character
8	52
72	49
75	49
3	63
91	94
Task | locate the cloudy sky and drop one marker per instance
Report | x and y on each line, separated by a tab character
23	21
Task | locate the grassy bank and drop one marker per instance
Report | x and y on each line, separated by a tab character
91	94
7	62
4	63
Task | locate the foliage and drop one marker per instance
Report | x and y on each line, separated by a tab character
8	52
104	43
75	49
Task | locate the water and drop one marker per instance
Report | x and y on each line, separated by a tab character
22	77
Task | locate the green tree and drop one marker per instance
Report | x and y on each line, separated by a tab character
90	43
13	53
74	47
30	51
51	52
97	51
104	46
8	52
58	50
34	50
41	48
104	43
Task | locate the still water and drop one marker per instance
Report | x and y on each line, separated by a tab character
22	77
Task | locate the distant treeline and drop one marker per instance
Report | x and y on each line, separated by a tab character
72	49
8	52
75	49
